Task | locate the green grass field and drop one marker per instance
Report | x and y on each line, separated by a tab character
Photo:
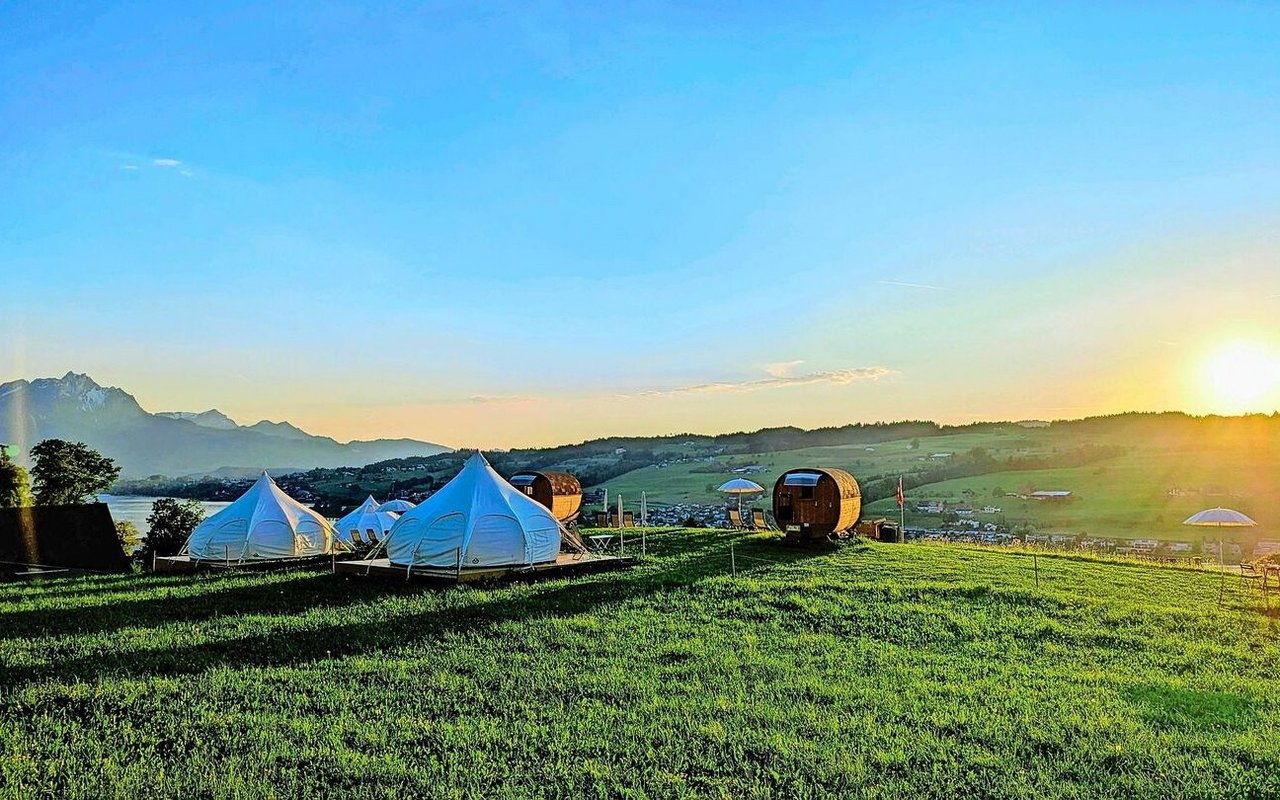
864	671
1124	496
692	482
1127	496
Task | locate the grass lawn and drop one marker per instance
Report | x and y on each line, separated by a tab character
866	670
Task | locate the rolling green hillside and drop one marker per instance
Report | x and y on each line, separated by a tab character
1148	478
864	671
696	481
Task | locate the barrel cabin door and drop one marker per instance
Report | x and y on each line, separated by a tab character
785	512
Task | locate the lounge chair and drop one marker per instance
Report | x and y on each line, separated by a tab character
735	519
628	519
373	538
602	519
355	537
758	520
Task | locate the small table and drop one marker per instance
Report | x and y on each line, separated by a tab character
600	541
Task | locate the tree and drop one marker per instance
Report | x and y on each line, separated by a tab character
171	523
15	486
128	535
68	473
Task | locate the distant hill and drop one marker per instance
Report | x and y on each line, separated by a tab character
173	443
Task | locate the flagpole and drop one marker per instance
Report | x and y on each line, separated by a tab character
902	512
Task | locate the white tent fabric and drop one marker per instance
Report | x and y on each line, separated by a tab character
397	506
480	517
265	523
368	516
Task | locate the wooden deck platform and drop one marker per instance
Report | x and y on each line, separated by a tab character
565	563
188	564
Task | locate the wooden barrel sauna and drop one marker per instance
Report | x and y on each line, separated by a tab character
560	492
816	502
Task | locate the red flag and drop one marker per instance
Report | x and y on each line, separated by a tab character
902	501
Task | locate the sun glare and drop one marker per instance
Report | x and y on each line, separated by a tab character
1242	376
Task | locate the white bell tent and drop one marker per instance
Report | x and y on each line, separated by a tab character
369	523
397	506
265	523
479	518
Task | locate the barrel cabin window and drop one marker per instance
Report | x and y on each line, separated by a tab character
524	483
806	483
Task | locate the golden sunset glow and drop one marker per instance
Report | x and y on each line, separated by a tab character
1242	376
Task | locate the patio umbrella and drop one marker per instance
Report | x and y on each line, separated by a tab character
740	486
1219	518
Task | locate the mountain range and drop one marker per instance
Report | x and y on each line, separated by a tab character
174	443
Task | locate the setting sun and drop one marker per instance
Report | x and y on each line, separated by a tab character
1242	376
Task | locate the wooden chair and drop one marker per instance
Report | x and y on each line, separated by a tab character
602	519
355	537
735	519
758	520
628	519
373	538
1250	574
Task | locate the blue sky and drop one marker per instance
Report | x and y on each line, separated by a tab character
531	223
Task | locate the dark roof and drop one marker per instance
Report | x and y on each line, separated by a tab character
79	537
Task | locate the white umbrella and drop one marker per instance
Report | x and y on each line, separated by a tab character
740	486
1219	518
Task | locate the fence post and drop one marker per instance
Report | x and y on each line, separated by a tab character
458	574
1035	564
1222	573
733	563
644	548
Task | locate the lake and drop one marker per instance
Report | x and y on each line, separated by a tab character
135	508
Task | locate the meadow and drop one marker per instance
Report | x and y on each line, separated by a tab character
696	481
1145	491
862	670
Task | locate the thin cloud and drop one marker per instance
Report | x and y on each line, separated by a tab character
129	166
781	369
836	377
907	285
503	398
166	162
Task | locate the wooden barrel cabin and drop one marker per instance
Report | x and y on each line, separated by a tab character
816	502
560	492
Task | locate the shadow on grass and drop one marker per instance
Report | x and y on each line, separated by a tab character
683	564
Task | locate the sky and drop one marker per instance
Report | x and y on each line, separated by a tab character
502	225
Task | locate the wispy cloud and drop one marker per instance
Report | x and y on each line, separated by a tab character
907	285
781	375
836	377
166	162
129	166
504	398
781	369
